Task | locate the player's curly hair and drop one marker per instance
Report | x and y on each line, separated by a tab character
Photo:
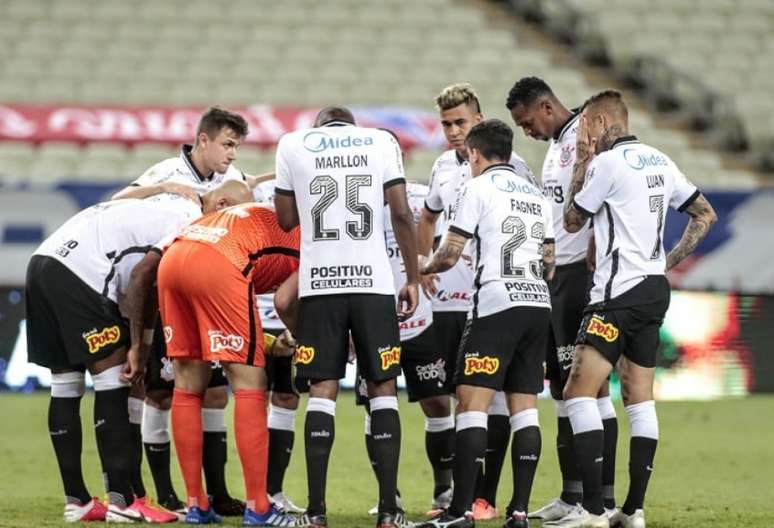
216	118
457	94
526	91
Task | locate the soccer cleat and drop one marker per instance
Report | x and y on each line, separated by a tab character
93	510
273	517
153	512
553	511
580	518
635	520
396	520
228	506
196	515
443	500
283	502
516	519
175	505
312	521
483	511
446	520
375	509
117	514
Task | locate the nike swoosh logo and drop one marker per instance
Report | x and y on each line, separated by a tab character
137	517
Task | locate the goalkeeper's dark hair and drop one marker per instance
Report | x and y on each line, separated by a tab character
217	118
526	91
492	138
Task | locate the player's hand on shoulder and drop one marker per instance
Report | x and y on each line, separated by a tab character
186	191
408	299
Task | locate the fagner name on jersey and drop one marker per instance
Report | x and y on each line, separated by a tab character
341	162
526	207
329	277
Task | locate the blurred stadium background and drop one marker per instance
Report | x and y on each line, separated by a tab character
95	91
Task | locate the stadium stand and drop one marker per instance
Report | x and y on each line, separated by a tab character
388	53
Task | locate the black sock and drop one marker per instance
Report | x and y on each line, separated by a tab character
469	453
525	453
319	431
385	435
158	460
439	446
280	448
64	426
369	443
572	487
497	437
138	487
111	427
588	452
610	425
642	451
214	457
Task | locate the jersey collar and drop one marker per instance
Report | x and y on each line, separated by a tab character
185	153
625	140
566	125
499	166
460	159
337	124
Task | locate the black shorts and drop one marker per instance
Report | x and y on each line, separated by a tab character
324	326
448	328
424	367
569	297
279	371
69	325
160	374
628	324
505	351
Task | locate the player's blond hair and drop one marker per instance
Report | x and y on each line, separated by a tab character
457	94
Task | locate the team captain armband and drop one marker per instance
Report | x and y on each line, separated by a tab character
268	343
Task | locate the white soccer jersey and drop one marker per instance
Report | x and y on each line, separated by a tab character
627	189
449	173
338	174
264	193
103	243
182	170
509	219
557	175
423	317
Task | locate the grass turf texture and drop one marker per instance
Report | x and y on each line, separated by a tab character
713	465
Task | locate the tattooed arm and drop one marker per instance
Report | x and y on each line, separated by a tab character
447	255
702	217
584	152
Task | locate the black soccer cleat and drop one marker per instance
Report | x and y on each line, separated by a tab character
446	520
516	519
312	521
393	520
228	507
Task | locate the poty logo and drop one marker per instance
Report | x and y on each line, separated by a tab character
318	141
640	161
220	341
481	365
606	331
168	334
390	357
99	340
304	355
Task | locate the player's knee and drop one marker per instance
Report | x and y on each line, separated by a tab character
382	388
215	398
159	399
68	385
109	379
436	406
284	400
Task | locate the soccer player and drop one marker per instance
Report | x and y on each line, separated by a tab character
625	186
207	281
539	113
75	282
333	180
502	348
451	291
199	167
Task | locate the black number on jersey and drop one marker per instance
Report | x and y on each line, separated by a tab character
330	191
538	233
359	229
512	225
65	248
657	207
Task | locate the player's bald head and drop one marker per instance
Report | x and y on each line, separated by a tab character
228	193
334	113
608	103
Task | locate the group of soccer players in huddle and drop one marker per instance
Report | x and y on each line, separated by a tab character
479	286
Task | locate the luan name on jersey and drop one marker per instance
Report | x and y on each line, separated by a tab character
182	170
423	317
449	173
338	174
509	220
103	243
556	178
627	190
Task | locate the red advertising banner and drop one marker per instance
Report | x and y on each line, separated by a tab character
83	124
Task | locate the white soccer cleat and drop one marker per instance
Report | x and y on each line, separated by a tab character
443	500
580	518
635	520
283	503
553	511
93	510
117	514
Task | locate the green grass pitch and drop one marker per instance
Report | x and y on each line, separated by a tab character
713	467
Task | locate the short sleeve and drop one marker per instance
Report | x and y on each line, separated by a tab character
393	166
468	211
596	187
684	193
282	168
433	202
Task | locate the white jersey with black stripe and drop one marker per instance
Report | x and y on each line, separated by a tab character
338	174
509	220
627	190
102	244
270	320
450	172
